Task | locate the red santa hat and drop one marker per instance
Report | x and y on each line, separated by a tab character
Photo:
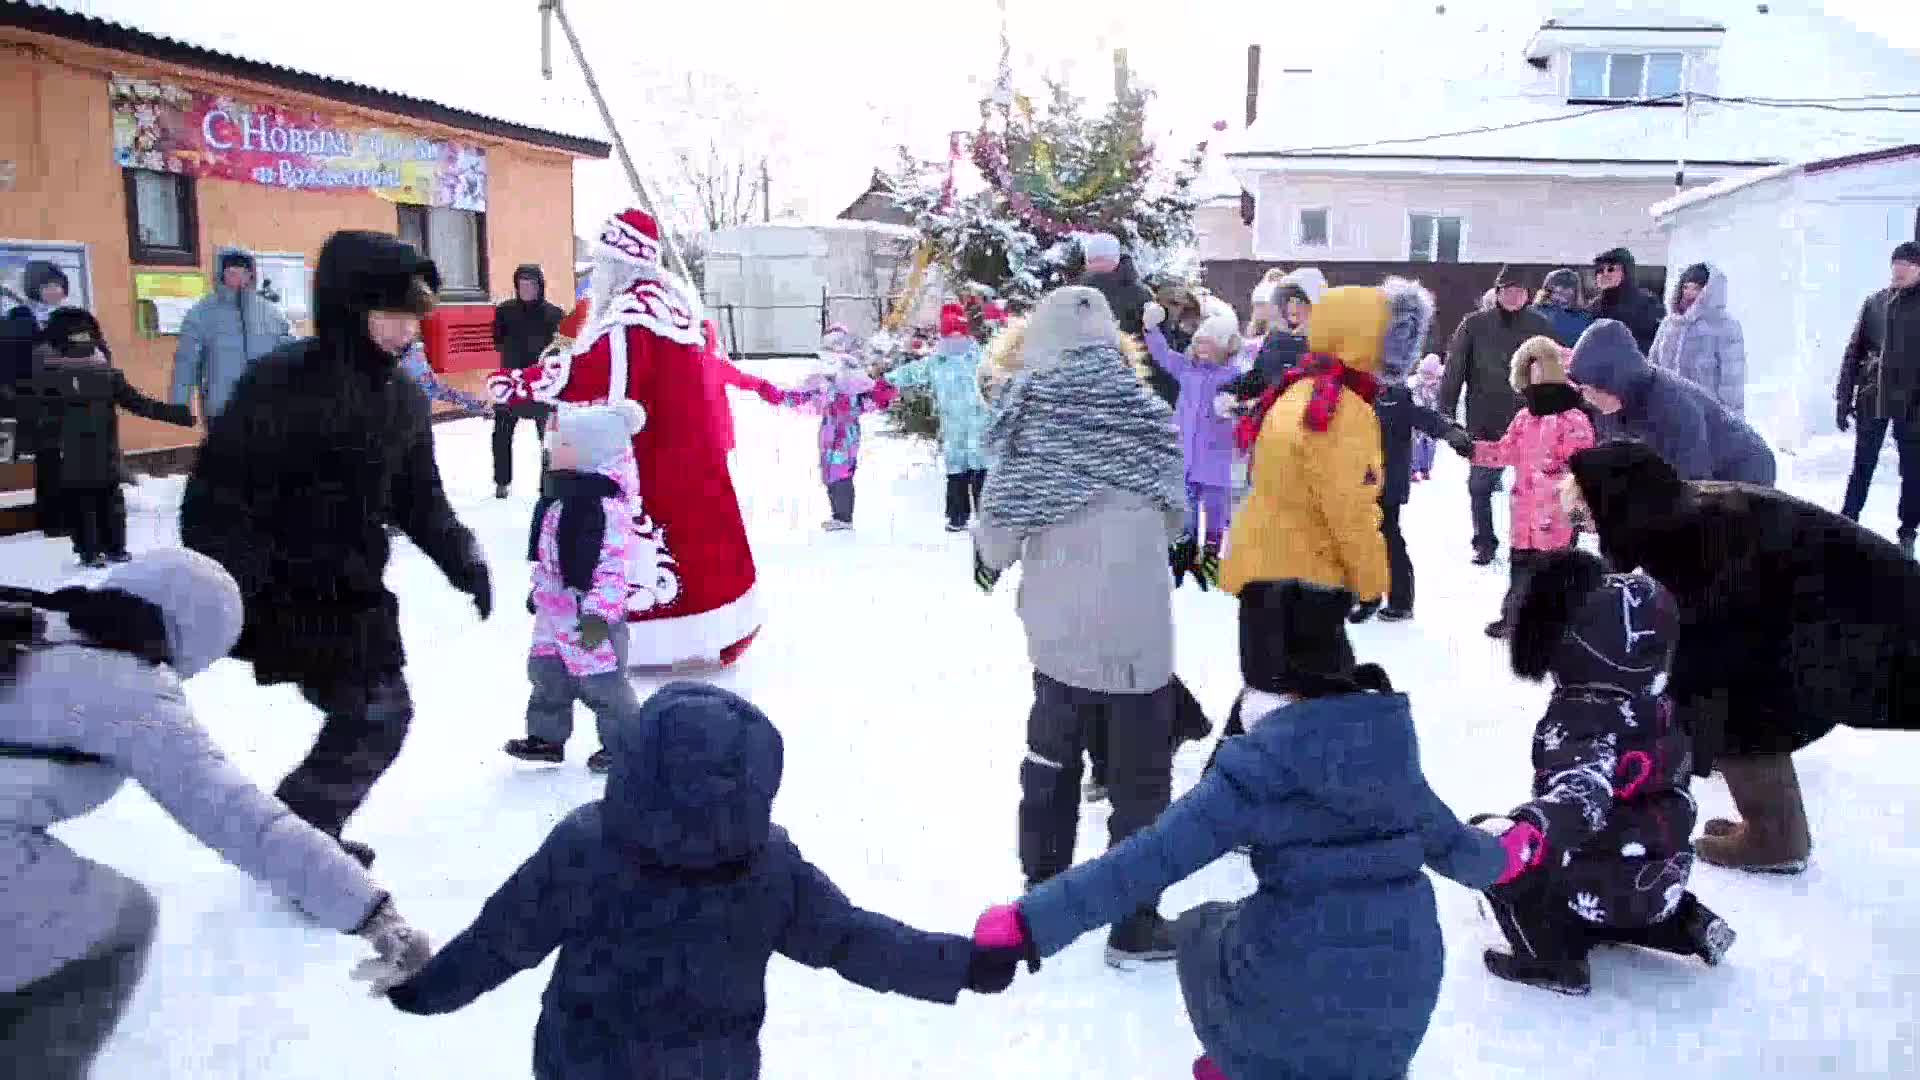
631	236
953	321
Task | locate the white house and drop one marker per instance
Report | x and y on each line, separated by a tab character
1802	246
1480	132
772	288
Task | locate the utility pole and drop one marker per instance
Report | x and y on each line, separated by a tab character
1247	207
766	192
549	9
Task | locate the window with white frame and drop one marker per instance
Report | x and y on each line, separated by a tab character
1311	228
1625	76
1433	238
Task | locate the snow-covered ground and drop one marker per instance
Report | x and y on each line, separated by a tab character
902	693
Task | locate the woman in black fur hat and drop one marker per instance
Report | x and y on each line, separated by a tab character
1793	619
1610	808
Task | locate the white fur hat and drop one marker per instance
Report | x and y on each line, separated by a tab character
1099	246
601	433
1308	280
1263	292
198	601
1219	327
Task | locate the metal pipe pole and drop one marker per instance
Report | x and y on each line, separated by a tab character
667	247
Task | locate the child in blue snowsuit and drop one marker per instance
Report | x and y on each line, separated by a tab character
666	898
951	373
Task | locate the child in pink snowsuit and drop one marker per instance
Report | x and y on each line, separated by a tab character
1549	429
582	538
840	392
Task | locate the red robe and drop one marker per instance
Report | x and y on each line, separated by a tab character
692	575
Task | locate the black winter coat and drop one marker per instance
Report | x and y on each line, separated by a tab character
1480	361
72	406
1793	619
321	448
1634	306
1129	298
1278	352
1880	371
1400	416
1610	764
523	330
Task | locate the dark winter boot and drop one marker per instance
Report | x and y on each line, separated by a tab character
599	762
1498	630
1571	977
1394	614
532	749
1772	836
1141	938
1483	555
499	491
119	557
360	852
1364	610
1708	933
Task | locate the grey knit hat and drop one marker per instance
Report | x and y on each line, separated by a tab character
601	433
197	598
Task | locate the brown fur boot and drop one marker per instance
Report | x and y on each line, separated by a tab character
1773	837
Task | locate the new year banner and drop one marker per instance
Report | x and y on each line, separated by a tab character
168	128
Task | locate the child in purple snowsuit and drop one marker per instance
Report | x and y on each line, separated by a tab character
1206	436
582	541
840	392
414	365
1426	394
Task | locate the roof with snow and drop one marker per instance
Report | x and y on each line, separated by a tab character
1459	85
1709	192
204	35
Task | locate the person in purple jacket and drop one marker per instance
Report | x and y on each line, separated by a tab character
666	898
1206	435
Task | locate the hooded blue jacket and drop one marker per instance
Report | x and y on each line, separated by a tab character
666	898
1682	422
1332	968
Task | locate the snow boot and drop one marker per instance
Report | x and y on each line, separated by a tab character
1364	610
1570	977
361	853
119	557
93	562
1141	938
599	762
956	526
1772	836
836	525
1498	630
1483	556
1394	614
1707	933
532	749
499	491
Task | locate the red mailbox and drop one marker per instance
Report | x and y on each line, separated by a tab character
459	337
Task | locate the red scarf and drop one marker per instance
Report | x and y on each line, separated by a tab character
1328	376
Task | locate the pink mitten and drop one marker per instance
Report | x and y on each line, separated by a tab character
999	928
770	393
1526	848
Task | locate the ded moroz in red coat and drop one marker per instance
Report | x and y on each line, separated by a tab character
693	593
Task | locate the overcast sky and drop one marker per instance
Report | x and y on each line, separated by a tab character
829	88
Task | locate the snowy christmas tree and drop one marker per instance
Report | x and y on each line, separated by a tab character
1052	173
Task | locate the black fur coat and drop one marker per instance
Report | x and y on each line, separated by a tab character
1793	619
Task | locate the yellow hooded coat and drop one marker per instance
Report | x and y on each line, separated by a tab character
1314	511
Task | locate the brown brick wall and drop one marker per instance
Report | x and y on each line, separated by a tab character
59	131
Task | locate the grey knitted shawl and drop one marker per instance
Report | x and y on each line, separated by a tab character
1062	432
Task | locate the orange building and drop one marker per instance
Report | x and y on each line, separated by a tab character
131	158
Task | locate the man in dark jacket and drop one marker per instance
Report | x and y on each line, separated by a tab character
1114	276
46	288
523	327
321	448
1624	301
1682	422
1879	388
1480	361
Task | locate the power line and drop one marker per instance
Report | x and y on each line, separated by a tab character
1823	104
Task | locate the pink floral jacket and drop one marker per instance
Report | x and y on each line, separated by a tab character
1537	448
557	609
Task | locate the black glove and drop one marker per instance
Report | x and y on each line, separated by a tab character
1363	611
1181	558
984	576
477	582
1843	414
990	971
1206	569
1459	442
